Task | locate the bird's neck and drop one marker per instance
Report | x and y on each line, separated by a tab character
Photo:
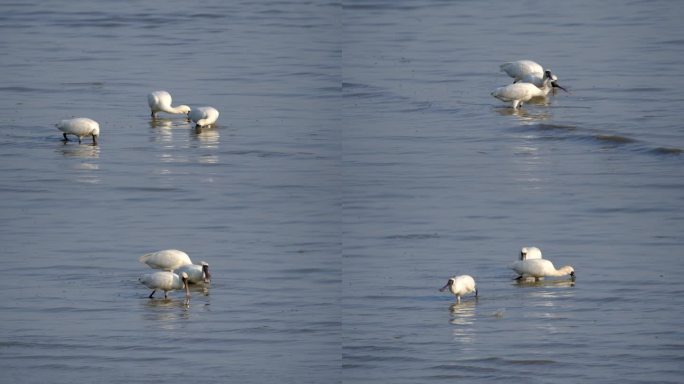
562	271
170	109
546	86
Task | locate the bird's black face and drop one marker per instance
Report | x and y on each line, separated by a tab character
205	272
522	255
548	75
449	283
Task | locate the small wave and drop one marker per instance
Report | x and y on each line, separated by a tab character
617	139
667	151
383	358
414	236
607	140
148	189
673	42
496	361
551	127
18	89
258	153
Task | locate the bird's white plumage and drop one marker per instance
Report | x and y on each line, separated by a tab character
539	268
165	281
521	68
518	93
529	253
160	101
168	259
196	273
80	127
203	116
460	286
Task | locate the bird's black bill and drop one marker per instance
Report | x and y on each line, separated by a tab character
445	286
555	85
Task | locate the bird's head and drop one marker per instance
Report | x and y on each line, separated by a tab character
205	272
448	284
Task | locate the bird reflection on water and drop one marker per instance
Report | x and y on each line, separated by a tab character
87	170
84	150
166	312
530	282
527	115
463	317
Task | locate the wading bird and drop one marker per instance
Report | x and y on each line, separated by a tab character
460	286
203	116
540	268
166	281
168	259
79	127
160	101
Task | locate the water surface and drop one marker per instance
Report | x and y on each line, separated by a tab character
257	197
358	162
440	179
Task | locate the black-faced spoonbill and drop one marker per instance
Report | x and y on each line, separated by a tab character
168	259
518	93
522	92
160	101
196	273
521	68
460	286
79	127
540	268
203	116
529	253
166	281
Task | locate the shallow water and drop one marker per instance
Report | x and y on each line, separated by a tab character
443	179
257	197
331	215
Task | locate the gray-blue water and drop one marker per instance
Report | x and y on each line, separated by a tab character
358	162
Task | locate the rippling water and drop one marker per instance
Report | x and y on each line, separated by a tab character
359	161
257	197
441	179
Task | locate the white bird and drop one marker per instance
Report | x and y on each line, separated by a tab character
528	253
518	93
79	127
160	101
166	281
196	273
168	259
539	268
521	68
203	116
460	286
